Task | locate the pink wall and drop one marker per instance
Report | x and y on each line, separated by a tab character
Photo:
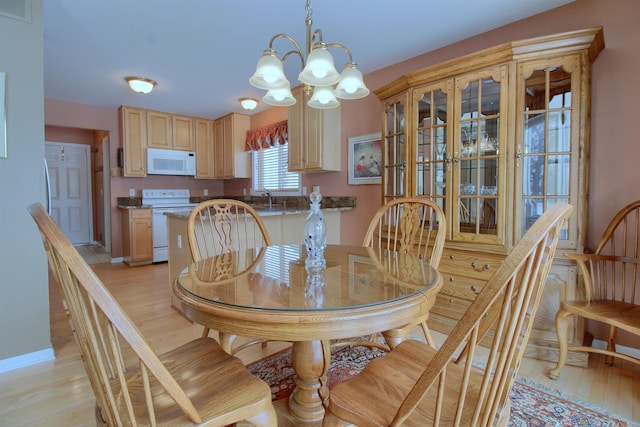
614	143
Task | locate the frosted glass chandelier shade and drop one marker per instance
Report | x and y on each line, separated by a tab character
323	98
281	97
351	85
269	73
319	70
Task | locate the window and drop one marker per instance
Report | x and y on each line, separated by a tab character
271	172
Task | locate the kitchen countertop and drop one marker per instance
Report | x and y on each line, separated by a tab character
264	211
133	206
282	205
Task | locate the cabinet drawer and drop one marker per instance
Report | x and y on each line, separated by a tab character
470	264
450	306
140	213
460	286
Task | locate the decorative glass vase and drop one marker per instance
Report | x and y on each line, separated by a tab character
315	232
314	287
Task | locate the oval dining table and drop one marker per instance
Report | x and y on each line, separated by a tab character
268	293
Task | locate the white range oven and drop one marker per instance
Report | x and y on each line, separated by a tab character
162	201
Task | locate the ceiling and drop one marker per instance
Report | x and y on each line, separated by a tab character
202	52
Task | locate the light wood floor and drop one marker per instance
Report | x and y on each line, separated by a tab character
57	393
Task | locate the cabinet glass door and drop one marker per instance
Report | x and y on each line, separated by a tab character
395	156
547	158
431	152
479	134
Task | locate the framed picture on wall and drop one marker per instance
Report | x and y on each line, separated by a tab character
365	159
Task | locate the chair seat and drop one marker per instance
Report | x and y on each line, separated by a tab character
207	383
622	315
394	384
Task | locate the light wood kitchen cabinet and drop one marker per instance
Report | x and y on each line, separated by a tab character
133	134
203	138
497	137
314	136
230	158
182	133
159	133
137	236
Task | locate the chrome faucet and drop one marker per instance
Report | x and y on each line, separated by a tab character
268	194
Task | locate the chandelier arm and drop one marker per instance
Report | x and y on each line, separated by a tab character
288	37
341	46
316	38
291	52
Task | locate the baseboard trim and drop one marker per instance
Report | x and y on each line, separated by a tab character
28	359
629	351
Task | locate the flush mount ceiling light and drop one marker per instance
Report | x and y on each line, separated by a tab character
318	72
140	84
248	103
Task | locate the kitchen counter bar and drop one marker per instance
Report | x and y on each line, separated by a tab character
264	211
281	204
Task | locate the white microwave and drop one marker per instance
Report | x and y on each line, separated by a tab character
170	162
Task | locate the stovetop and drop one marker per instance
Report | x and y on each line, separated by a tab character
166	197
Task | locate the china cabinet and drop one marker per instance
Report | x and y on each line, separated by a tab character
137	236
496	137
133	134
314	136
230	158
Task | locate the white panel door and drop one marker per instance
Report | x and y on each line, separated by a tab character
70	184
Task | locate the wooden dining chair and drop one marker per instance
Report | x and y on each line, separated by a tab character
466	382
220	226
611	293
195	384
410	224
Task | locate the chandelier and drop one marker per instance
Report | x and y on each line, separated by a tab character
318	75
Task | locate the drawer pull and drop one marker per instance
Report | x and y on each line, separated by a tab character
452	257
474	289
451	278
475	266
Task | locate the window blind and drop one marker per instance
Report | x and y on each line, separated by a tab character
271	171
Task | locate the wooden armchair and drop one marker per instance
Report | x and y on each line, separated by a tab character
410	224
194	384
464	382
611	295
224	225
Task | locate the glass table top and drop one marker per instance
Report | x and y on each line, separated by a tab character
275	278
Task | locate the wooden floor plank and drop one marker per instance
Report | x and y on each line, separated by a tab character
57	393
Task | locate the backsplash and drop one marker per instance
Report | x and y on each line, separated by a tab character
288	201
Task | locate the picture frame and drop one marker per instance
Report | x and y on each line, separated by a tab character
365	159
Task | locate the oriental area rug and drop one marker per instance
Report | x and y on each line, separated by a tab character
531	405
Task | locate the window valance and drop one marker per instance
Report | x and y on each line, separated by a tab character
267	136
